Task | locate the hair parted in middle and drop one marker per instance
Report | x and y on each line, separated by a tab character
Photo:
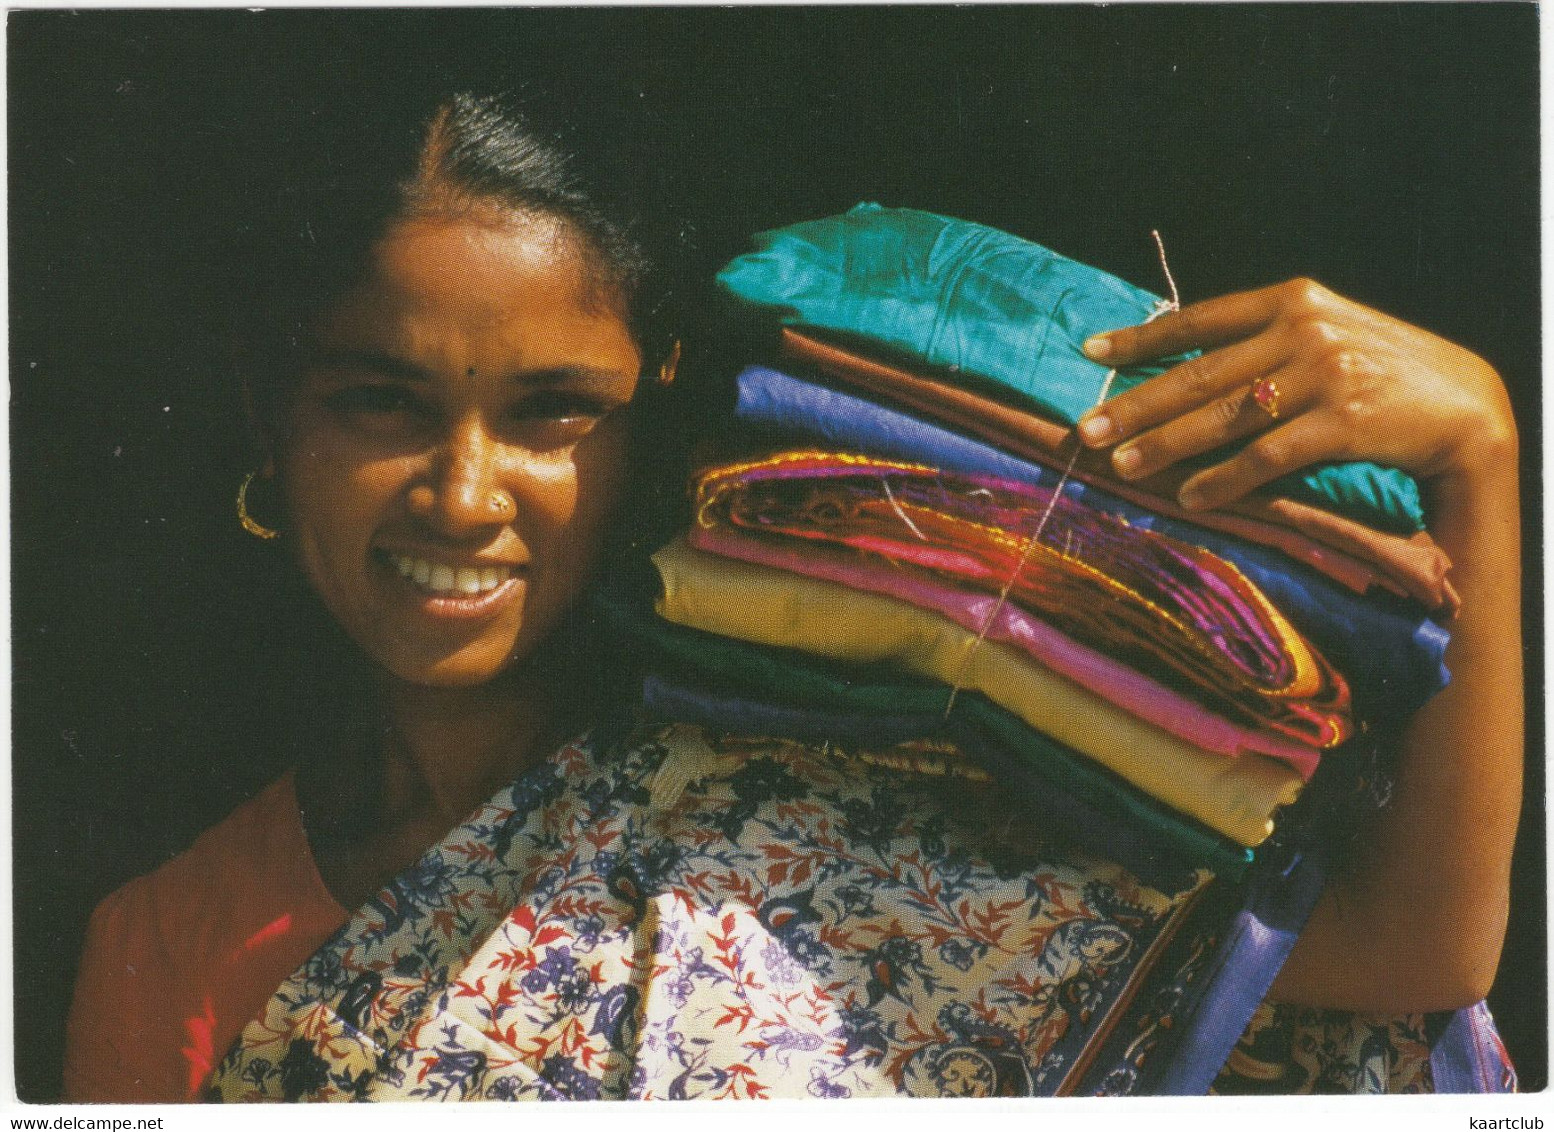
342	188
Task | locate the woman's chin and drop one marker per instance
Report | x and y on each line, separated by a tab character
471	667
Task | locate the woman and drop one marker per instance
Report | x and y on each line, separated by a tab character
450	425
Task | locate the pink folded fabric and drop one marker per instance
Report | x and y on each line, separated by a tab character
1174	612
1011	625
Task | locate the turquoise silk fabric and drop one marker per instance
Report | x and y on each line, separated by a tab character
975	303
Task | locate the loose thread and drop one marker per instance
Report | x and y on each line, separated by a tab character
1163	306
1165	268
901	514
1019	566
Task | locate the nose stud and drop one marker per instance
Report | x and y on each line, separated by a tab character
501	504
451	504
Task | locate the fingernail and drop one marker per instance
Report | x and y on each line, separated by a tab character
1127	460
1096	429
1191	498
1097	347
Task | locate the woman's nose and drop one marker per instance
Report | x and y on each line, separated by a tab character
463	494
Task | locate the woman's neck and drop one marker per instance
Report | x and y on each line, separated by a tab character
439	753
446	750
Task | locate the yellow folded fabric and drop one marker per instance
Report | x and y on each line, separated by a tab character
1236	796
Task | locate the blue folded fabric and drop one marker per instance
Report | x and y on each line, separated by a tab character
978	304
1468	1057
1260	938
1388	648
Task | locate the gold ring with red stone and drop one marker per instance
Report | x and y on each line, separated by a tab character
1265	394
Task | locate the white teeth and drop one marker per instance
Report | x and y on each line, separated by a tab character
441	578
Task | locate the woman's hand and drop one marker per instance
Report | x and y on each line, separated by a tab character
1418	923
1344	382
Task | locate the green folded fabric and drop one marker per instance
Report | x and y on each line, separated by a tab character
980	305
625	602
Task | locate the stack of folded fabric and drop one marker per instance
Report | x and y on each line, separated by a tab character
909	546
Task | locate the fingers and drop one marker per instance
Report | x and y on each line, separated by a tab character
1306	440
1181	388
1214	322
1229	417
1295	342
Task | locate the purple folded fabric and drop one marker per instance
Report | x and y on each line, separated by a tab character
666	698
1011	625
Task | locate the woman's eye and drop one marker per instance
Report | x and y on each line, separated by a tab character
548	405
548	419
377	405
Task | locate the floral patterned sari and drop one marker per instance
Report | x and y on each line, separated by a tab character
666	912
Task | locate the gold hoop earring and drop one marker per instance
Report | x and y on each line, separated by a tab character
670	366
250	524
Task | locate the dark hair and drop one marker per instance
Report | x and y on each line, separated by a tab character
339	185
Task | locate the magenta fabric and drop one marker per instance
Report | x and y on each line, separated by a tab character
1174	612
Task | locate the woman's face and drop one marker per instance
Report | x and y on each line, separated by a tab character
458	443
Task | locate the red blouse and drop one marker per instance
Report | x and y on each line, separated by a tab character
178	962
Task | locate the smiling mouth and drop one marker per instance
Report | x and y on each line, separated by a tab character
446	579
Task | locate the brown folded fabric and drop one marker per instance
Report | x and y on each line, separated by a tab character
1350	553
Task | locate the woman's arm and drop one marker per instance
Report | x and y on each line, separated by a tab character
1419	922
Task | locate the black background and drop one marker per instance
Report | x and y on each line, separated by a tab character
1390	152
